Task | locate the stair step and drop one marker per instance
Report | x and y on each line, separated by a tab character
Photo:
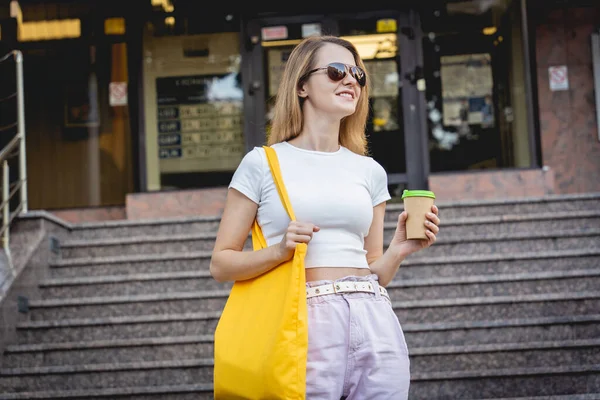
524	329
425	361
589	396
116	241
198	392
489	229
132	284
128	327
98	376
494	245
423	311
159	227
131	264
512	243
497	307
169	302
448	210
120	349
479	357
512	223
495	285
172	392
488	258
491	383
401	288
200	261
522	206
500	383
499	264
143	304
107	351
417	334
107	247
139	248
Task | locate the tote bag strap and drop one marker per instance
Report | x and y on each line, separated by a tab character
278	179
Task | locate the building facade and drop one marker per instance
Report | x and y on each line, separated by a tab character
145	110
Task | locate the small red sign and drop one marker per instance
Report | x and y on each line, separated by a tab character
274	33
118	93
559	78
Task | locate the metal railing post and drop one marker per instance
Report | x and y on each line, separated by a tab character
21	130
6	208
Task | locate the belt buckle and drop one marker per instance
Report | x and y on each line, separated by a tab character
337	287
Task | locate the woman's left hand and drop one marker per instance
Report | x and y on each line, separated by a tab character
408	246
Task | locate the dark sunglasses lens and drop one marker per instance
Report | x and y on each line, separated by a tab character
336	72
359	75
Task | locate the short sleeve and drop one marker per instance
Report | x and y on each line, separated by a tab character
248	177
379	184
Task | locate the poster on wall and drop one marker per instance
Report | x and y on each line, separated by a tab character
199	123
467	88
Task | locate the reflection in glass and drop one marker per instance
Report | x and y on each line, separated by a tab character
276	57
379	52
78	139
385	130
383	76
194	112
475	78
199	120
225	88
382	45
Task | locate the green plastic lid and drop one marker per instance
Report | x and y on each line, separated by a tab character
418	193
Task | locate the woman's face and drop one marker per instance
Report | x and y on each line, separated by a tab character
336	99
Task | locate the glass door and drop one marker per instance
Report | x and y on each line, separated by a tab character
476	78
377	37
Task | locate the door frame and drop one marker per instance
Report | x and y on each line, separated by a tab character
409	39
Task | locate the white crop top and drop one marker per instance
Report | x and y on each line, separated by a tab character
333	190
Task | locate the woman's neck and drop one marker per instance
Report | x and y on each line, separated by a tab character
318	134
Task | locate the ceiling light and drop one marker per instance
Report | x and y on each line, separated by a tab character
490	30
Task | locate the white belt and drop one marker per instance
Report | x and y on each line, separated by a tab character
344	287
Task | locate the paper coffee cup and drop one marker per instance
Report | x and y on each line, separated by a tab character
417	203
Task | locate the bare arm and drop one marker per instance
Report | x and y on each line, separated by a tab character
229	262
384	265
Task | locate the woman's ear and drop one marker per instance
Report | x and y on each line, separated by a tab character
302	92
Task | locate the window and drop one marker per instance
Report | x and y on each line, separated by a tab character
475	76
193	100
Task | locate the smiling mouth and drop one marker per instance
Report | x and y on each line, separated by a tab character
346	94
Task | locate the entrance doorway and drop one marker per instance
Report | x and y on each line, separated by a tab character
387	44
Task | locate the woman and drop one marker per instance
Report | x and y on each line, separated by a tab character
356	345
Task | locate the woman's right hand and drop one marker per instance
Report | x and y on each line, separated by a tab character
297	232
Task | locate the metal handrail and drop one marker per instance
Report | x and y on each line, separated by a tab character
6	151
14	148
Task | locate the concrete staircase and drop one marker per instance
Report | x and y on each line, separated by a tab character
506	305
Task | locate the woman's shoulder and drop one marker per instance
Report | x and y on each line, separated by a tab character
256	154
260	150
365	161
254	160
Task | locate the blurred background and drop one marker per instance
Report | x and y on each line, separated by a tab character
130	104
136	113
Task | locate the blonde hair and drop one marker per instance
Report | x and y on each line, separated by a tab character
287	118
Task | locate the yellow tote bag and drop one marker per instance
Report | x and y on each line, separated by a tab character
261	340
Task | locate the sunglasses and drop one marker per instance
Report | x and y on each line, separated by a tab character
337	71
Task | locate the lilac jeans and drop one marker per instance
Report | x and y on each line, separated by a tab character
356	347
